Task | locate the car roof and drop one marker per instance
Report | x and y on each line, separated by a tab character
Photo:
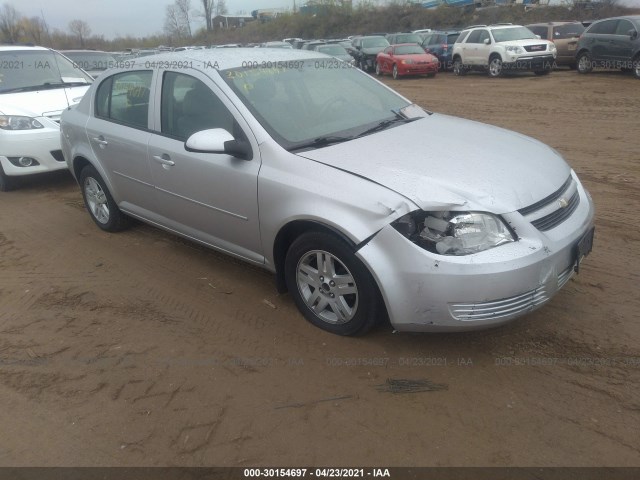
230	58
21	47
552	24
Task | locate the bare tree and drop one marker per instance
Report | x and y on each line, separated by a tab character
34	28
183	8
174	24
10	22
221	8
80	29
207	13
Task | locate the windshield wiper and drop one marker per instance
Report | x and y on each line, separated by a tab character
320	142
387	123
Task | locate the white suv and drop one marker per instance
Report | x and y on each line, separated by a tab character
36	85
501	48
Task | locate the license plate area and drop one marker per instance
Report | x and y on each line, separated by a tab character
583	248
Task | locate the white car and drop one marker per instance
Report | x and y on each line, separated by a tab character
36	85
501	48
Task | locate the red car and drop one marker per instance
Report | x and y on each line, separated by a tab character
406	59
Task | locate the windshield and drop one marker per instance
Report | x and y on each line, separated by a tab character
91	60
374	42
20	69
332	50
409	50
510	34
408	38
307	102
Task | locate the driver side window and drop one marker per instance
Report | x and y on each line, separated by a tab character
188	106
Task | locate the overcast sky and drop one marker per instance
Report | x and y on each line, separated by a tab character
135	17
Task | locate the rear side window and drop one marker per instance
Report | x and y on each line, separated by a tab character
623	27
540	30
606	27
124	98
462	36
567	31
474	37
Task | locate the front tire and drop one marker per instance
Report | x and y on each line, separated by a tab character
378	69
636	67
395	73
495	67
6	182
99	202
584	63
330	286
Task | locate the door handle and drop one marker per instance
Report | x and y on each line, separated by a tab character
101	141
164	159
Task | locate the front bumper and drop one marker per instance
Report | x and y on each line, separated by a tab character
43	145
418	69
529	62
428	292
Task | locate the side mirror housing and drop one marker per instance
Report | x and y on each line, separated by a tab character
633	34
487	41
218	140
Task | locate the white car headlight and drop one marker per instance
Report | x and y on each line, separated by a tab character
16	122
552	47
454	233
515	49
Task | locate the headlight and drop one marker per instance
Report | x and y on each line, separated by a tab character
407	62
515	49
14	122
552	47
454	233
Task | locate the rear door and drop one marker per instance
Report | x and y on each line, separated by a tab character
119	136
602	41
209	197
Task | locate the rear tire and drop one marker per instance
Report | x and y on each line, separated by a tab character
330	286
395	73
636	67
99	202
378	70
458	67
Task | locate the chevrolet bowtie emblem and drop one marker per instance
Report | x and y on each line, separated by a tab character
563	203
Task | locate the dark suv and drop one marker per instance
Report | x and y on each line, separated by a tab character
440	44
611	43
365	50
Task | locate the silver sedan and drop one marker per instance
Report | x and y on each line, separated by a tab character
364	205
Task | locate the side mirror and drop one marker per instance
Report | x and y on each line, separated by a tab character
217	140
487	41
538	37
633	34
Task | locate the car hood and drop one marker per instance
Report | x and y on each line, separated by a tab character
447	162
41	103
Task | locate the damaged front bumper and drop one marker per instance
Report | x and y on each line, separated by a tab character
424	291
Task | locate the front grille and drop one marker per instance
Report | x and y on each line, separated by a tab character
554	209
536	48
505	307
556	218
57	154
547	200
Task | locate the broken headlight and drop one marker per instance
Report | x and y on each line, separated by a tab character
454	233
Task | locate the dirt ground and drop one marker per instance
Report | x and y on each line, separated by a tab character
140	348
